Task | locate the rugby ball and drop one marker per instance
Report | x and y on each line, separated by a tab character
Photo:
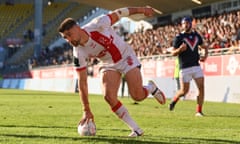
87	129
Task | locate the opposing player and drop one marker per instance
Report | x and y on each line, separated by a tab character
186	47
98	39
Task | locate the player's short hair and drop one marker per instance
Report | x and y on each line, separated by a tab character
187	19
66	24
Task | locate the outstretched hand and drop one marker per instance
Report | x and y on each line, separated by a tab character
148	11
87	115
156	11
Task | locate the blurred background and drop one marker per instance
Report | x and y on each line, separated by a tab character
31	48
29	39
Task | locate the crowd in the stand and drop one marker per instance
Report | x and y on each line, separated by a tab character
218	31
60	55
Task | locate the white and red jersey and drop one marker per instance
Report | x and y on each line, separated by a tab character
103	43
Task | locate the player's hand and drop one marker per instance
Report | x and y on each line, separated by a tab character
87	115
203	59
148	11
183	47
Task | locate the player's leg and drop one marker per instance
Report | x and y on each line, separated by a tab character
199	79
181	92
110	85
178	85
185	78
134	82
139	92
200	97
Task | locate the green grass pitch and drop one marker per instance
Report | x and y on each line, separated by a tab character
36	117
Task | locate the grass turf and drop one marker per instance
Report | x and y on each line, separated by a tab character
37	117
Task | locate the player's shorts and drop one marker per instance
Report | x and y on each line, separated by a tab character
187	74
123	66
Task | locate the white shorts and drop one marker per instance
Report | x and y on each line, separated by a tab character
123	66
187	74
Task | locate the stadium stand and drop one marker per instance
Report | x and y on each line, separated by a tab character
221	31
52	15
12	16
154	42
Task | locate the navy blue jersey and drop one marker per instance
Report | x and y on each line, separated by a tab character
189	57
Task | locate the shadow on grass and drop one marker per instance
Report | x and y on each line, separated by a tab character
146	139
32	94
201	140
224	116
126	140
93	139
34	126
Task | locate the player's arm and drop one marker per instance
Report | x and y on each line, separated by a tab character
83	88
180	49
83	92
128	11
205	48
178	46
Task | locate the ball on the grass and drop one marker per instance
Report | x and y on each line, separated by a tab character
87	129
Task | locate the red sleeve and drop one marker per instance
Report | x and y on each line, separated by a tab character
80	69
110	19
